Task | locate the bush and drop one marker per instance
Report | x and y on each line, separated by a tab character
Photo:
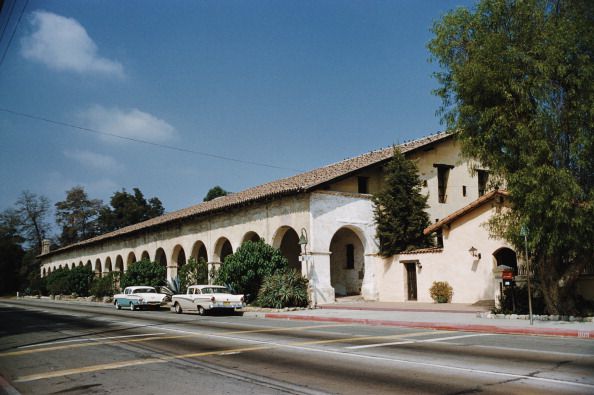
441	292
517	297
245	270
57	282
144	272
80	280
285	288
106	285
193	272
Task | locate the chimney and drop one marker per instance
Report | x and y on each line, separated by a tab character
45	246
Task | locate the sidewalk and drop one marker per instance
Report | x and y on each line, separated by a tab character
450	316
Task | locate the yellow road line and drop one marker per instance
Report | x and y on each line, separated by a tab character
165	359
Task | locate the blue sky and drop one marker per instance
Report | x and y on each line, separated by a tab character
291	84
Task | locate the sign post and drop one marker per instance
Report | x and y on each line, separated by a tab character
524	232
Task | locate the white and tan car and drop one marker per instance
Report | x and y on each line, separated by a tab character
138	297
205	298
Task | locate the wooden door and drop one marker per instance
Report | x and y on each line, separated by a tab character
411	280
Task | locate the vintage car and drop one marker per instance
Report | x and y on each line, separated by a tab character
205	298
138	297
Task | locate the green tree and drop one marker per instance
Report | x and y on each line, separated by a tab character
144	273
192	273
11	252
245	269
77	215
128	209
517	82
215	192
399	208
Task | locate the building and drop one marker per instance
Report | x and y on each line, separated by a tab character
331	207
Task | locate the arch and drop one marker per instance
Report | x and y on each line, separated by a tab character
179	256
199	251
81	263
347	261
108	265
250	236
97	268
131	258
506	256
286	240
119	265
89	264
49	270
145	256
72	265
43	273
160	257
223	249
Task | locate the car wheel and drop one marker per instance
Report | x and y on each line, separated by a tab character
201	310
132	306
177	308
117	305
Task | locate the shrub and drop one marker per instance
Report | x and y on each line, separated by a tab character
285	288
80	280
193	272
441	292
245	270
106	285
517	297
144	272
57	282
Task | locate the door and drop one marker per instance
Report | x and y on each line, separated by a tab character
411	280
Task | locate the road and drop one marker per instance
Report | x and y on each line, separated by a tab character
57	348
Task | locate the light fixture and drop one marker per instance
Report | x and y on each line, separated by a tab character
419	265
474	252
303	241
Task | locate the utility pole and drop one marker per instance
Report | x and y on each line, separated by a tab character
524	232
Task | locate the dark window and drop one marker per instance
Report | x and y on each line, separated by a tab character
350	256
363	186
439	238
463	190
483	179
443	173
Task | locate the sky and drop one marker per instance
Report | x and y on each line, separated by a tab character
175	97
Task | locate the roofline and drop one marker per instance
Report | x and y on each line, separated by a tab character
465	210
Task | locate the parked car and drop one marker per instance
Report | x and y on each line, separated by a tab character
206	298
138	297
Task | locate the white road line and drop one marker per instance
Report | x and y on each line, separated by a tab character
90	339
439	339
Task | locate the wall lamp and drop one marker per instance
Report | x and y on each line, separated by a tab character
474	252
303	241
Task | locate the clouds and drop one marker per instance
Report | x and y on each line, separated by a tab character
92	160
132	124
63	44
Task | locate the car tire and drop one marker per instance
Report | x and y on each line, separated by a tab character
132	306
201	310
177	308
117	305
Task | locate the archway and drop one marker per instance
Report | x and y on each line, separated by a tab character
223	249
89	264
43	273
130	260
347	262
178	256
250	236
119	265
145	256
287	241
81	263
160	257
108	267
98	268
506	256
199	251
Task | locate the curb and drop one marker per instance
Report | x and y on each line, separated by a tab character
585	334
6	388
329	307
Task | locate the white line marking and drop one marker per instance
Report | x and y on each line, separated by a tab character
418	341
91	339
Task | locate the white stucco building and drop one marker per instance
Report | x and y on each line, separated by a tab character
332	206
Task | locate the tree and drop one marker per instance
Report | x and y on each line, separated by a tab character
128	209
244	270
193	272
517	82
399	211
32	211
215	192
11	252
144	272
78	216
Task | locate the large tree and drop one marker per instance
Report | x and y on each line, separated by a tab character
215	192
517	82
128	209
11	251
78	216
33	225
399	210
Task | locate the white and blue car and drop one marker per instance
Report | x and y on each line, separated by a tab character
138	297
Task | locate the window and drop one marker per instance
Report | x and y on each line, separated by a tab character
443	173
363	184
463	190
350	256
483	179
439	238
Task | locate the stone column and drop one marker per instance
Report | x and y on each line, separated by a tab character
369	288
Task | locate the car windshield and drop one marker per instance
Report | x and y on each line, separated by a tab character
215	290
145	291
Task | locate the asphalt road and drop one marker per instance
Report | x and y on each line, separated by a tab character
50	348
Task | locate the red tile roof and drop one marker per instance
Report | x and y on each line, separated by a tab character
299	183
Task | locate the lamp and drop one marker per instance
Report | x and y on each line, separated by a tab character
303	241
474	252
